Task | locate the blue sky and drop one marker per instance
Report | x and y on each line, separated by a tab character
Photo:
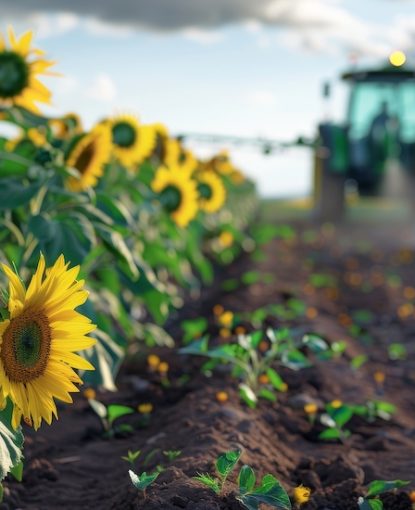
258	75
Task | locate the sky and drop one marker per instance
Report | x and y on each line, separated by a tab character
237	67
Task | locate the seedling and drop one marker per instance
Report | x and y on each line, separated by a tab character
131	457
376	409
108	415
224	465
358	361
397	352
371	501
337	415
269	492
172	454
141	482
250	363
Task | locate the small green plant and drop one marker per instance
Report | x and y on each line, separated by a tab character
269	492
397	352
131	456
251	363
193	328
358	361
141	482
375	409
108	415
172	454
336	416
371	501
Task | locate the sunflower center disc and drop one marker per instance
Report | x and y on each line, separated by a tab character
123	134
14	74
171	198
205	191
26	347
85	157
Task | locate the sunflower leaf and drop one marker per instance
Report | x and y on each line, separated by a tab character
11	443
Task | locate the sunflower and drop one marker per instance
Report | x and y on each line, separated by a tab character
132	142
39	340
212	192
177	193
162	138
19	67
178	156
88	155
66	126
221	163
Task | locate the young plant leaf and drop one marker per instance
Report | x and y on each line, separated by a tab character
341	415
370	504
330	434
209	481
141	482
246	479
275	379
267	394
270	492
248	396
379	486
116	411
226	462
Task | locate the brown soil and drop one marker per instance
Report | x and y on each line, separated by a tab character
71	466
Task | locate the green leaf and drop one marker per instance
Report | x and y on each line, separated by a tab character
341	415
370	504
271	493
358	361
14	194
246	479
255	338
375	504
315	343
227	461
199	347
209	481
276	380
193	328
17	471
141	482
379	486
117	411
295	359
248	395
267	394
11	442
330	434
131	456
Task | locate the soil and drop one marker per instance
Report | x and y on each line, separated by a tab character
70	465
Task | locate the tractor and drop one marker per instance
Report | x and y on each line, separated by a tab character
379	133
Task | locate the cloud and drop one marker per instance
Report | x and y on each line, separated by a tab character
102	89
314	25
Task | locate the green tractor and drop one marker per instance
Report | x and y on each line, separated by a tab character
379	132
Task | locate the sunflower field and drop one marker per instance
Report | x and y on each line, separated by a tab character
110	228
169	340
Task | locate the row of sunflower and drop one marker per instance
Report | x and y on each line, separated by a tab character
139	218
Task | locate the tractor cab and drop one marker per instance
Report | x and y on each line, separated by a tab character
379	128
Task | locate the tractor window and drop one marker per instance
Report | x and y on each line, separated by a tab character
368	100
407	112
